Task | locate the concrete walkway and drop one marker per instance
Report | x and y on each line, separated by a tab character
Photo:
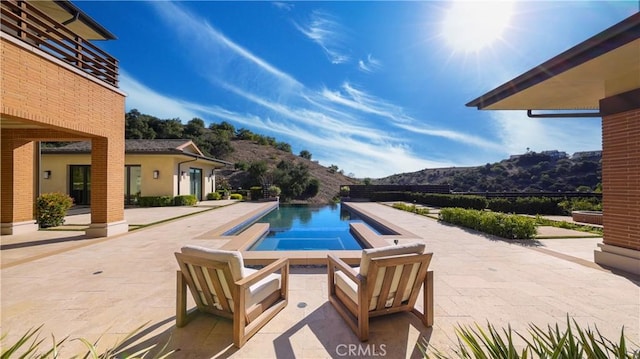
110	286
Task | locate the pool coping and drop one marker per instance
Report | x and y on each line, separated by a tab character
245	239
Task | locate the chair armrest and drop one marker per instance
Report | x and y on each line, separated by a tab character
262	273
335	262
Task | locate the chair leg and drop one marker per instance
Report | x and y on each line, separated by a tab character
181	300
428	299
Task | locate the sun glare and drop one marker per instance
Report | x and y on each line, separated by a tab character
470	26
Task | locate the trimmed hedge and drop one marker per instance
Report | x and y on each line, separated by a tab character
526	205
498	224
155	201
237	196
185	200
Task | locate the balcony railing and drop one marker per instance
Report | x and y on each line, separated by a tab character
25	22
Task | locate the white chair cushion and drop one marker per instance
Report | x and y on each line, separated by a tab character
388	251
262	289
234	258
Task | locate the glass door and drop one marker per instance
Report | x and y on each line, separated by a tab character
195	176
80	184
132	184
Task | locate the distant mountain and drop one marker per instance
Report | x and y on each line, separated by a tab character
544	171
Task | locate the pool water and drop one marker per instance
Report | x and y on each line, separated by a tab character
304	227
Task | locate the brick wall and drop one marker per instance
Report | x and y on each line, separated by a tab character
65	104
621	179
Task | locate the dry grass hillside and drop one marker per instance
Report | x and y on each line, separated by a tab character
250	151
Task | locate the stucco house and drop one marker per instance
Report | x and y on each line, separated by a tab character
600	75
58	86
169	167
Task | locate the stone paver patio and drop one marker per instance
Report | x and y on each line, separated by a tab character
110	286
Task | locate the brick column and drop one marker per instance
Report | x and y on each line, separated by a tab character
107	187
17	186
621	182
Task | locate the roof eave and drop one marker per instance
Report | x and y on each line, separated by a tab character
610	39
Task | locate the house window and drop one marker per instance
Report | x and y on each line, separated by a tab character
195	179
132	184
80	184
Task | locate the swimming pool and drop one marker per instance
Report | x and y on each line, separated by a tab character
305	227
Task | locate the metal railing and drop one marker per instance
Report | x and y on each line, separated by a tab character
25	22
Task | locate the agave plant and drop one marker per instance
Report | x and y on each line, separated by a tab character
553	343
30	345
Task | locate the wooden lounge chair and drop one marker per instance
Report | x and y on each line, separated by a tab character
387	281
221	285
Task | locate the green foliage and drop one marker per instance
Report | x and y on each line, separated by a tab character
569	343
242	166
411	208
155	201
185	200
526	205
236	196
344	191
213	196
447	200
498	224
274	191
51	208
30	346
305	154
332	169
313	187
293	179
257	170
283	146
541	221
222	184
580	204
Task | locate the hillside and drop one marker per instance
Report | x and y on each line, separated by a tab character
248	151
546	171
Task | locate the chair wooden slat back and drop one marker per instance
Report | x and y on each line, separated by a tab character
221	285
384	285
208	282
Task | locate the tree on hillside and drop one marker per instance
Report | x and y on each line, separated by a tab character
305	154
137	126
171	128
194	129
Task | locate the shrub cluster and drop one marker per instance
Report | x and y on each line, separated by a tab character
51	208
165	201
237	196
411	208
580	204
185	200
498	224
526	205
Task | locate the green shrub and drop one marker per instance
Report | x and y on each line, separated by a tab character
185	200
411	208
51	208
580	204
570	343
213	196
498	224
526	205
237	196
155	201
274	191
344	191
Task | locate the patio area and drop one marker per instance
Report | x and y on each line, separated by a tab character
108	287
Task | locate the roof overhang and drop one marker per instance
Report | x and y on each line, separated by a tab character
605	65
64	12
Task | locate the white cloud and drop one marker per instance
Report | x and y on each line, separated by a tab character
148	101
519	132
287	6
325	31
369	64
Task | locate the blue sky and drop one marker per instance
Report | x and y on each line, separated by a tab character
375	88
